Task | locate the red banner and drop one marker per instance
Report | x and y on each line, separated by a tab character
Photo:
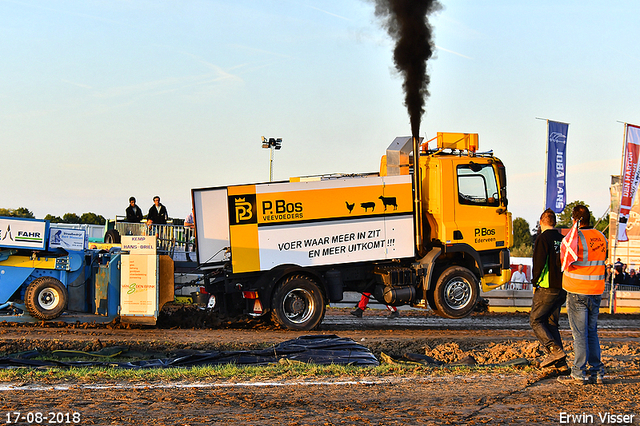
630	178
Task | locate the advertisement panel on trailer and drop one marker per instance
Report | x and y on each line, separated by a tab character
311	222
338	242
23	233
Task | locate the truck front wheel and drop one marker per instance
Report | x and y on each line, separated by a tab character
298	304
46	298
456	293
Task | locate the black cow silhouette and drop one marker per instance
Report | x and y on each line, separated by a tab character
367	206
389	201
350	206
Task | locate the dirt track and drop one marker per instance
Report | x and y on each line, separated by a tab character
481	396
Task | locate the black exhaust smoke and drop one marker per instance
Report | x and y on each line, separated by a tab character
407	23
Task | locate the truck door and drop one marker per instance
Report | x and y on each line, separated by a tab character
477	210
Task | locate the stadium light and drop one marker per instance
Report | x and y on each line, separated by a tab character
272	144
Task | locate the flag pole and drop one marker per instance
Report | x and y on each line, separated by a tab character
546	162
612	290
546	168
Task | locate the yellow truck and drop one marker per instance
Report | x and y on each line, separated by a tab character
427	236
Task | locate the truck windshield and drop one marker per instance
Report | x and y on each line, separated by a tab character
477	185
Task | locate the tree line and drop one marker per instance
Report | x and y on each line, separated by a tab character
524	239
86	218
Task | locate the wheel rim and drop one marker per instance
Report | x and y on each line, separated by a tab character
48	298
298	305
457	293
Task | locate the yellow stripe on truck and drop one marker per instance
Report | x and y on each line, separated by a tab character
304	204
243	231
245	252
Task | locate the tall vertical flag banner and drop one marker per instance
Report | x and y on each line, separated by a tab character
556	165
630	178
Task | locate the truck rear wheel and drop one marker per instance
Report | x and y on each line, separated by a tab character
298	304
46	298
456	293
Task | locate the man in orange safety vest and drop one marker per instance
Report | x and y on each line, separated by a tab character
583	253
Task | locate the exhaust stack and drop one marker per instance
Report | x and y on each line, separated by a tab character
417	197
398	163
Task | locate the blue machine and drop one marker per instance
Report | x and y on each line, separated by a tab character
52	272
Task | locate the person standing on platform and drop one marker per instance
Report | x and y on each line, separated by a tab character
158	212
133	212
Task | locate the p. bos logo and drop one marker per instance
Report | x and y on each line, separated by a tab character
485	232
242	209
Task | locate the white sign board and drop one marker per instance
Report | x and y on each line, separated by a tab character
139	285
68	239
336	242
139	244
23	233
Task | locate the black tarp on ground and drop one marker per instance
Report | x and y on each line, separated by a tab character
319	349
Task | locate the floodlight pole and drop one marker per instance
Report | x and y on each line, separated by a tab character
273	144
271	163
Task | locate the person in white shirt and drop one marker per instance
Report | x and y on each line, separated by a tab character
518	279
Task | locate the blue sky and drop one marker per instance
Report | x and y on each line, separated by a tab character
101	100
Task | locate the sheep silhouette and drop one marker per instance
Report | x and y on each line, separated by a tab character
370	205
350	206
389	201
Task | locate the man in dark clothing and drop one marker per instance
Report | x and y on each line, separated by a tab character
134	214
158	212
620	275
548	295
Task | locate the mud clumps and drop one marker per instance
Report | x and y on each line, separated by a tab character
496	352
451	352
484	353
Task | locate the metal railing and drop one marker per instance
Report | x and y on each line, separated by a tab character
516	286
527	286
621	287
170	237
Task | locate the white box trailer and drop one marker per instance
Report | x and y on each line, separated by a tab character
306	223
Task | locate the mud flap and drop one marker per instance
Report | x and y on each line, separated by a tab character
166	284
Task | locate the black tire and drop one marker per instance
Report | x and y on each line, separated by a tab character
456	293
46	298
112	237
298	304
431	300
